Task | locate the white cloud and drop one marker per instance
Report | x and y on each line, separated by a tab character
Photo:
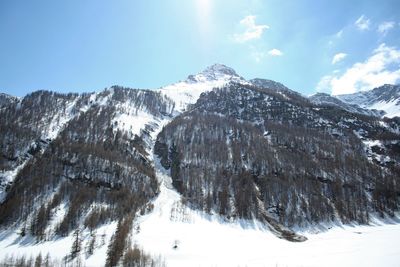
259	56
385	27
362	23
324	84
338	57
383	66
275	52
252	30
339	34
335	37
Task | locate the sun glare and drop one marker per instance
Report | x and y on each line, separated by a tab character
204	14
203	6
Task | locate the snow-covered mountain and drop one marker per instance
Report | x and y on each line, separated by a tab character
188	91
86	176
386	98
323	99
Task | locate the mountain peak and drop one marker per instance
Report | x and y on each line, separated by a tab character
212	73
188	91
220	68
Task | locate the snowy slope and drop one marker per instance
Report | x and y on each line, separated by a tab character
188	91
322	99
12	244
49	126
392	108
386	98
131	115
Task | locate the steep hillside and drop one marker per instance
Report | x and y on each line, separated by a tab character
89	165
29	124
242	150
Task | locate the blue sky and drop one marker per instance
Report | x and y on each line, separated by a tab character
86	45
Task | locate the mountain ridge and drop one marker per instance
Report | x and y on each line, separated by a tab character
326	99
385	97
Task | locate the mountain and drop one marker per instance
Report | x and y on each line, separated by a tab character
97	172
323	99
386	98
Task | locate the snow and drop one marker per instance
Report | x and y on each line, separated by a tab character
58	122
100	253
371	143
133	123
7	177
392	108
98	98
203	241
184	93
188	91
384	98
11	243
207	243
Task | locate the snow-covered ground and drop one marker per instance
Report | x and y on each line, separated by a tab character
208	243
12	244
